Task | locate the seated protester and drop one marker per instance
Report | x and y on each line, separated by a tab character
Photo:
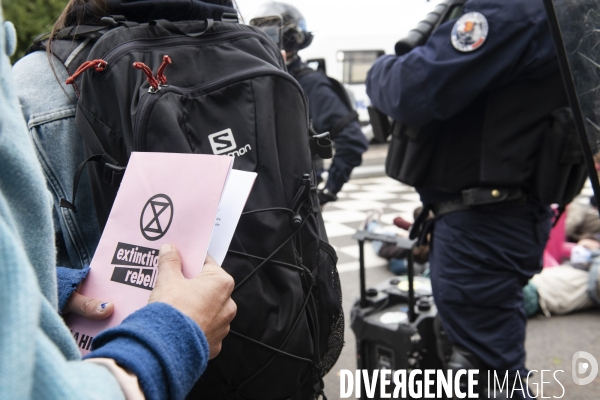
582	221
565	289
157	352
572	286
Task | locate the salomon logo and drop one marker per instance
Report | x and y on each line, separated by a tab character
240	152
222	142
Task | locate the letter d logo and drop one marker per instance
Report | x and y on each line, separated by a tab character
582	367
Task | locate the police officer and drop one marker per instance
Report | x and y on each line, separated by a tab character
475	101
327	110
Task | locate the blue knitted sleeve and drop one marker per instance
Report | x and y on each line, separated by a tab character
68	279
164	348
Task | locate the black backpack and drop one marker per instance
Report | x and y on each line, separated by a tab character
219	87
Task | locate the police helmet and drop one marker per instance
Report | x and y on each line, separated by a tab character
295	35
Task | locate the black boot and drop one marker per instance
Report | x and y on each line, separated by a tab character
462	359
444	347
454	358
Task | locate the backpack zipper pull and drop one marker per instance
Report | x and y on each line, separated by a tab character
160	80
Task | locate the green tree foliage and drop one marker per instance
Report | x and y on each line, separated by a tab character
31	17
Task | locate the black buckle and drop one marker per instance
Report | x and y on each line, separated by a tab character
230	17
311	190
113	174
483	196
321	145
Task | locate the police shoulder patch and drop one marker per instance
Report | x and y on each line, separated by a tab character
469	32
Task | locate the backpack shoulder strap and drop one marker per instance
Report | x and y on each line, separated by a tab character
72	53
71	46
339	89
343	95
298	73
341	92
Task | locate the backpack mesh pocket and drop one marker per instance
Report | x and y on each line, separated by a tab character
329	308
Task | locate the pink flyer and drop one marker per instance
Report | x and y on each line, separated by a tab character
164	198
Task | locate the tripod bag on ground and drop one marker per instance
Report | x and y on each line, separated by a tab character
394	321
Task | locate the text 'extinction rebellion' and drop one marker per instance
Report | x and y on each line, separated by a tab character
140	265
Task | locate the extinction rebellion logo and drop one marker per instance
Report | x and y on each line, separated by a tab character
156	217
137	265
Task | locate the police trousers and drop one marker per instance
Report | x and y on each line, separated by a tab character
480	260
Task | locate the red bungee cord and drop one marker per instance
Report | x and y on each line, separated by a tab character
151	79
98	65
161	70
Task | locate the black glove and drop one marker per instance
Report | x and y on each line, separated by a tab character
325	196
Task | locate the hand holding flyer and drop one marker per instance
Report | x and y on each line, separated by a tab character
152	208
206	299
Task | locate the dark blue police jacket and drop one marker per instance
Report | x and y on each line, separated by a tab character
474	130
326	110
436	81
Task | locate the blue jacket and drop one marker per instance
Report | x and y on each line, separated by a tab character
165	349
436	81
326	110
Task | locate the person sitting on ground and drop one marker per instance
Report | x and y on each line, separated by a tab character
572	286
582	221
396	256
157	352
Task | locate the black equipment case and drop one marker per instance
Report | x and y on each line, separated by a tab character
394	322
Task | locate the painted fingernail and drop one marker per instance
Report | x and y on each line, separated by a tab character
103	306
165	248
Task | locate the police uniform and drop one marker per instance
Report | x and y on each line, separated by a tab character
327	110
474	102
